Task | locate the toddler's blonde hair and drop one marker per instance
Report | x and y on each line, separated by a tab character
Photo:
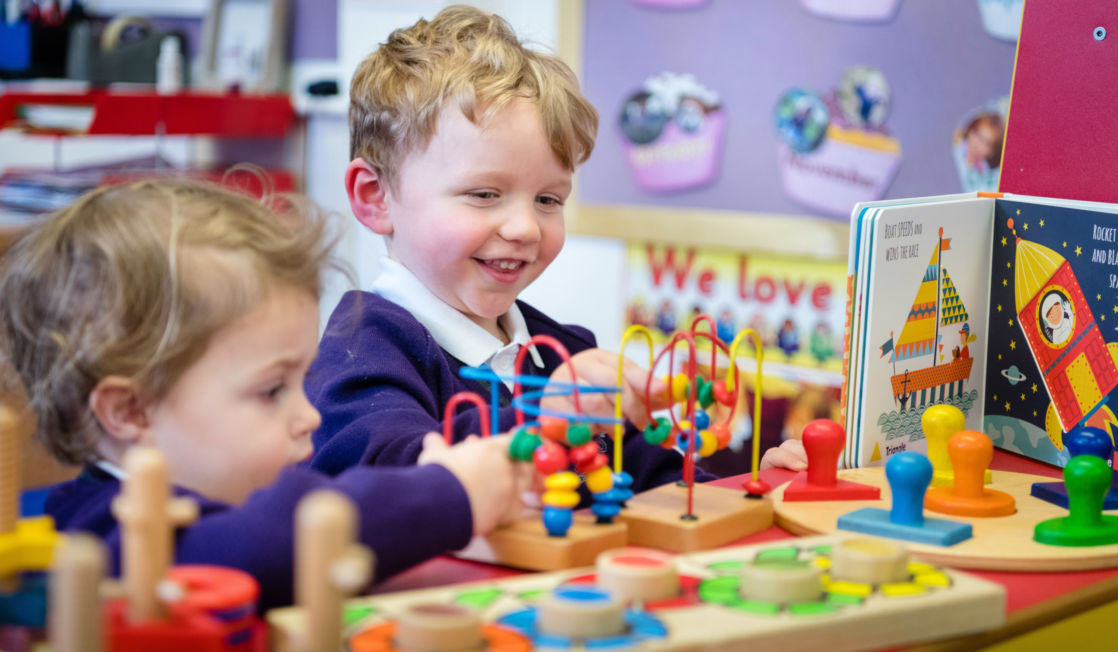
471	59
134	280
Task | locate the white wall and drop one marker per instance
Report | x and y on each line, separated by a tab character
585	283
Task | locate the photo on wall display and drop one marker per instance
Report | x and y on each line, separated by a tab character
835	150
673	127
977	146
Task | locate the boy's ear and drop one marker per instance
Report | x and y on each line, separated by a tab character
367	196
120	410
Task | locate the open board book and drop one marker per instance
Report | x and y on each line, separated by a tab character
1005	306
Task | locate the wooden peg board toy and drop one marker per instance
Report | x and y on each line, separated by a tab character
833	592
998	543
187	608
26	546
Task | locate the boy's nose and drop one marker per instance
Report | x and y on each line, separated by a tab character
520	225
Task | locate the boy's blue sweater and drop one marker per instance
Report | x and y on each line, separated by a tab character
382	382
406	516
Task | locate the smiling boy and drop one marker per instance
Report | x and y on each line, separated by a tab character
463	144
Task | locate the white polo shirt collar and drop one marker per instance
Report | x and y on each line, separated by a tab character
456	333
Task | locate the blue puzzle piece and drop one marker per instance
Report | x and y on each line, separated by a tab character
934	531
1081	441
523	620
1057	494
645	625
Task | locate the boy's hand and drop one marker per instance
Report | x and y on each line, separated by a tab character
789	455
493	482
599	367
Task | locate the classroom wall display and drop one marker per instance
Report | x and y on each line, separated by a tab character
835	150
877	89
797	305
674	127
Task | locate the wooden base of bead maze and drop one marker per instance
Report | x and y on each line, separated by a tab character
525	544
999	543
723	515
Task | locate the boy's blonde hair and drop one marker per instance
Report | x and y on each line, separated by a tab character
464	57
134	281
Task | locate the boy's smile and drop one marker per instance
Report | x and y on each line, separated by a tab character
478	215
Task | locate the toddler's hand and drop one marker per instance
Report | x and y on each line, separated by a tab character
493	482
599	367
789	455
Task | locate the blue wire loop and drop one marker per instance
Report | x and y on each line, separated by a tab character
524	402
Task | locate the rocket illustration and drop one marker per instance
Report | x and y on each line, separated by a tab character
1077	365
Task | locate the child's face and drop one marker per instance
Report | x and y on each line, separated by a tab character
1054	314
238	415
478	215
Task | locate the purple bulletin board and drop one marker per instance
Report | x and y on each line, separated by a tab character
944	62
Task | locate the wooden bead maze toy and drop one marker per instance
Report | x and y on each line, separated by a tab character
695	516
26	547
554	538
835	592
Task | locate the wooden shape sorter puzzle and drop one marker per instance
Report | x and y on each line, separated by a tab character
998	543
839	592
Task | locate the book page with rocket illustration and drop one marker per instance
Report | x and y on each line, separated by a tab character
1053	324
924	325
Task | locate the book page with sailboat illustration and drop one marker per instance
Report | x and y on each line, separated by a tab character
862	220
1053	324
925	327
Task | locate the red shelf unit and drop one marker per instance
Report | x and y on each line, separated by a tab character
140	114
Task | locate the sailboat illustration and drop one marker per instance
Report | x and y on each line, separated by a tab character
937	313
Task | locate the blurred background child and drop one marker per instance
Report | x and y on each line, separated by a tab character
184	317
